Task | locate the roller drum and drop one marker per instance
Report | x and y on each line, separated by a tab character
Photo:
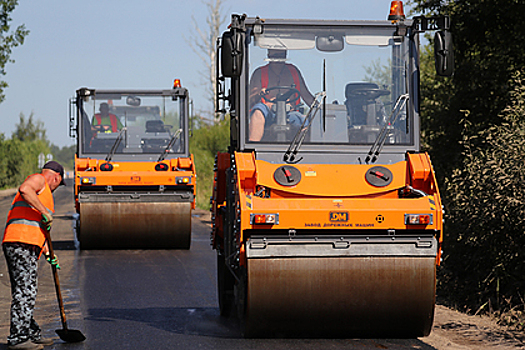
340	296
139	225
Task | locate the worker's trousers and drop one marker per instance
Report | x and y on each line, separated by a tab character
22	264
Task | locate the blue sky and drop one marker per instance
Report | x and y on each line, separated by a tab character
126	44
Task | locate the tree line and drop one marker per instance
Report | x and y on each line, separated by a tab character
474	127
19	154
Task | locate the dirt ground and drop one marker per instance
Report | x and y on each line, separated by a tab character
458	331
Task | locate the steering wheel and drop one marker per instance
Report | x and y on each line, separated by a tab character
368	94
100	128
289	96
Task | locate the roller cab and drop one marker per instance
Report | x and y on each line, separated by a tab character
327	218
134	176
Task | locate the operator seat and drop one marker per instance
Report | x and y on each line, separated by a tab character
357	101
155	126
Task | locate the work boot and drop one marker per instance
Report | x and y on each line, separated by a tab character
43	341
27	345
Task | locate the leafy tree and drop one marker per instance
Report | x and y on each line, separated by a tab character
378	73
488	49
9	39
33	135
17	162
64	155
19	155
29	130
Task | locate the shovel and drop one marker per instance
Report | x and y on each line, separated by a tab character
67	335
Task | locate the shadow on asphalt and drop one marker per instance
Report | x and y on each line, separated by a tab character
64	245
190	321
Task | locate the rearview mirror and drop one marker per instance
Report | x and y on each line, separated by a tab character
444	53
232	48
133	101
329	43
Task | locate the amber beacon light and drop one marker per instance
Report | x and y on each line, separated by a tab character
396	11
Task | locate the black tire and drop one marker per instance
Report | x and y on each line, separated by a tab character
225	283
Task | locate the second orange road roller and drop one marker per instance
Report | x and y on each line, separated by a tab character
327	218
134	175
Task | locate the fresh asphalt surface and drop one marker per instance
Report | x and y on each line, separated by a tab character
145	299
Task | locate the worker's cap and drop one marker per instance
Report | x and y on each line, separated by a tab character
57	168
277	53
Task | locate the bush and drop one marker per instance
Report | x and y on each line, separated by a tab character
485	259
204	145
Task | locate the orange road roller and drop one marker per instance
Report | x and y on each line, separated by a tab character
134	175
327	218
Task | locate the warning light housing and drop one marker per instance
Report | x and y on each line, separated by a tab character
396	11
419	219
264	219
176	83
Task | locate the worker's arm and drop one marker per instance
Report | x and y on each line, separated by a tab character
257	122
29	191
305	93
255	87
119	124
45	249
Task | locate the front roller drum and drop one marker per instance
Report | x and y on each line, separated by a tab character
340	296
147	225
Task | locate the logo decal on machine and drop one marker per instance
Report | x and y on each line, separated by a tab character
339	216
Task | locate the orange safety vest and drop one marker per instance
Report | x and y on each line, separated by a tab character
265	80
24	223
112	119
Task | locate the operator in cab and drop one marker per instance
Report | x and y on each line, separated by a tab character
104	121
277	78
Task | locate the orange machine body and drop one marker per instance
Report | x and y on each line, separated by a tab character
329	197
135	174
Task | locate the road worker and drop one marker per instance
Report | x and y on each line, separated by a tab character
104	121
276	73
24	241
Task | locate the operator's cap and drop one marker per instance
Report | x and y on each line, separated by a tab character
57	168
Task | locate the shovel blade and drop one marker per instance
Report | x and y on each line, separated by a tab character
70	335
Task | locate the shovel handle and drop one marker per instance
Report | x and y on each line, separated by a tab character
57	282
